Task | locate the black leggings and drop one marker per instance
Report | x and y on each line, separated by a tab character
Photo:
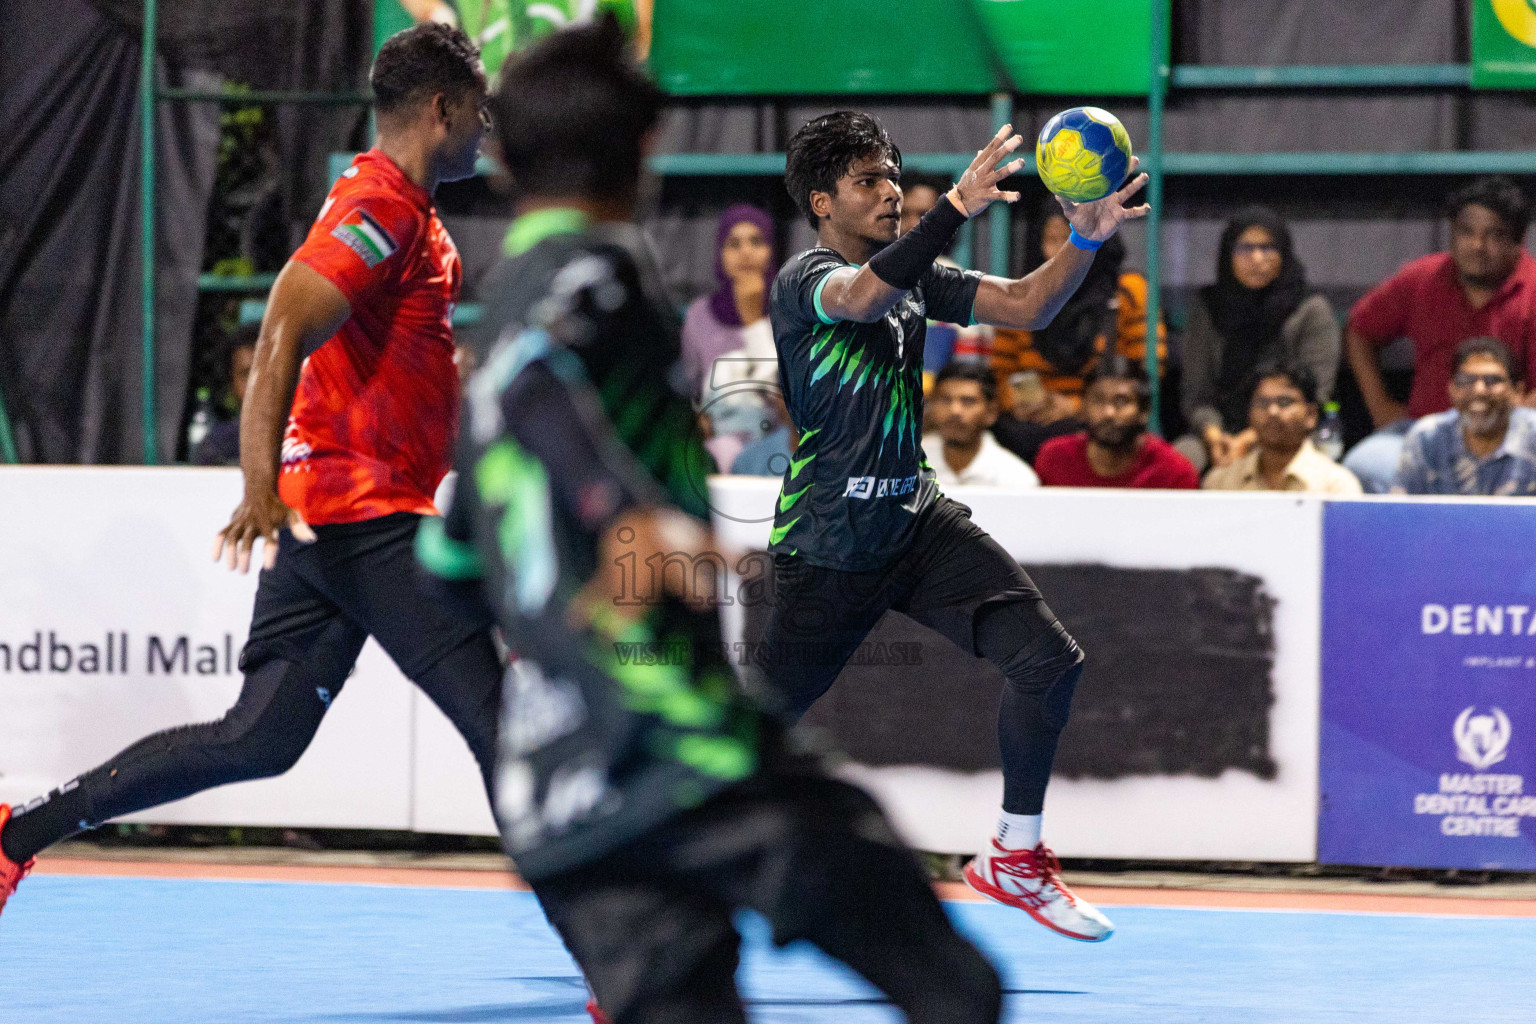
271	726
314	610
958	581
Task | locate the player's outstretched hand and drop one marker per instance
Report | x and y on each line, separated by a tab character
977	188
259	515
1101	218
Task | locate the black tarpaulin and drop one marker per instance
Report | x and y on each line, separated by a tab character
69	235
70	300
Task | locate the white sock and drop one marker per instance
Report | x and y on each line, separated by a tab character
1018	831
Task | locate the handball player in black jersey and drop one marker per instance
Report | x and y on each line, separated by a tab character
641	793
861	527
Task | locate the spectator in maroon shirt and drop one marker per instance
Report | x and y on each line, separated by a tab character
1115	450
1484	286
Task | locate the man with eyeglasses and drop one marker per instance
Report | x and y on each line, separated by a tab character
1486	445
1115	450
1282	415
1483	286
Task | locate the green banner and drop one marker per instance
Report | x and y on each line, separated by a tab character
500	27
1503	44
1081	47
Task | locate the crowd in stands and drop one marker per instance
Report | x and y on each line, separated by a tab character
1259	350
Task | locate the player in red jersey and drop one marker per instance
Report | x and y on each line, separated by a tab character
348	422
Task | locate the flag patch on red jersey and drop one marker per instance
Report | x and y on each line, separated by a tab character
366	237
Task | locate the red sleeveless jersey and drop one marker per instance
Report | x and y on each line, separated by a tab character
376	411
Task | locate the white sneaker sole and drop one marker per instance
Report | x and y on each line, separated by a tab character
996	895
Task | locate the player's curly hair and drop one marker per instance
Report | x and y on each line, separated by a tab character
824	148
422	61
572	112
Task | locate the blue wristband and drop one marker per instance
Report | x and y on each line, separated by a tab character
1081	242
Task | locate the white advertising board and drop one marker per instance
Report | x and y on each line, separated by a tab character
1237	815
126	553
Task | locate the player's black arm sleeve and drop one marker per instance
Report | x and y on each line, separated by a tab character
868	293
903	263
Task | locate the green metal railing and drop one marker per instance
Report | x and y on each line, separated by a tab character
1157	163
1154	161
150	96
7	442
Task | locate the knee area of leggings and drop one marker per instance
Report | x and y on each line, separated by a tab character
255	741
1040	667
1058	699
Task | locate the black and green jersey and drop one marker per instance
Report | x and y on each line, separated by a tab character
855	392
611	727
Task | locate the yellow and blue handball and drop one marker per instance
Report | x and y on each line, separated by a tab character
1083	154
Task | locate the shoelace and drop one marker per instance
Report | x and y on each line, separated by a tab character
1039	863
1050	873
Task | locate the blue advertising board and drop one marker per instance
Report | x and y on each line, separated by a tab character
1429	685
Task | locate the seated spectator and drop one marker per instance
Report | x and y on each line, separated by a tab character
727	340
1483	287
1257	311
1282	415
943	342
769	455
1016	431
1486	444
221	445
1115	450
961	448
1040	373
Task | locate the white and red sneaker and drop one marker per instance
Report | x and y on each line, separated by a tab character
1031	881
11	873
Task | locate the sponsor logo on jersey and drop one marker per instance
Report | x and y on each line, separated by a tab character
294	451
879	487
366	237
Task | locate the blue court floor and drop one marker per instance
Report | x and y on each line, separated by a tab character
83	950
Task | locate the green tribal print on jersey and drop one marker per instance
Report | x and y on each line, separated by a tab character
855	392
619	717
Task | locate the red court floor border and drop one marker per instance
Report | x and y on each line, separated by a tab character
1379	903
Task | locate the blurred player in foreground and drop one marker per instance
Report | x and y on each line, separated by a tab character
643	796
346	431
861	526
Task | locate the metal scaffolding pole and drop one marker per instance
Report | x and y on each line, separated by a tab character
1152	163
998	219
147	225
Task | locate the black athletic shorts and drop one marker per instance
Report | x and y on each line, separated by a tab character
650	924
320	601
818	617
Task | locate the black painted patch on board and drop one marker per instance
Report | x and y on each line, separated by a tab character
1178	681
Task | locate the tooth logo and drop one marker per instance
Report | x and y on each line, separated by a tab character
1482	741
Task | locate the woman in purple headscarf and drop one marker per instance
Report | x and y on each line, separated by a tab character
728	350
744	267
